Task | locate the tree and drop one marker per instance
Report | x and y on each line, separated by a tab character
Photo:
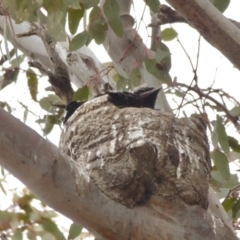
44	170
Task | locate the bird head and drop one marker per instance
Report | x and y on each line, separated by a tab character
148	96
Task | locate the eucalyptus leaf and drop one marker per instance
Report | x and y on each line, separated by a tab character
89	3
221	162
47	103
74	231
81	94
97	25
168	34
233	143
236	208
78	41
214	135
32	84
111	11
153	5
235	111
52	228
135	77
221	5
222	135
74	17
228	203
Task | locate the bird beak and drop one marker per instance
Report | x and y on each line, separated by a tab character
150	92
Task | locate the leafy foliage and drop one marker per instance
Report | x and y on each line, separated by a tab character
97	25
168	34
78	41
221	5
153	5
74	17
81	94
111	11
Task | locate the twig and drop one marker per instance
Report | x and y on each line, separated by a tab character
233	119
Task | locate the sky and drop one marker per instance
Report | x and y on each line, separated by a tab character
213	68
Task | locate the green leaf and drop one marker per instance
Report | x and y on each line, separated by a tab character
222	136
160	55
228	203
74	17
135	77
89	3
233	143
11	7
151	66
52	228
221	162
32	84
81	94
163	51
168	34
236	208
119	70
221	5
217	177
56	24
7	216
232	182
17	235
214	134
153	5
123	84
179	93
74	4
235	111
97	25
47	128
78	41
111	11
74	231
47	103
15	63
27	11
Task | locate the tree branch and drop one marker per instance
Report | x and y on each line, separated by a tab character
65	186
167	15
212	25
233	119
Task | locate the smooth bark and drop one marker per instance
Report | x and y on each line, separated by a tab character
212	25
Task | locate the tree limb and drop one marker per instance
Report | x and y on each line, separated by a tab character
233	119
167	15
212	25
65	186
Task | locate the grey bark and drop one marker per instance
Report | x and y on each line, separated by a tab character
66	186
212	25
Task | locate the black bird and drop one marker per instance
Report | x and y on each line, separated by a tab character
145	97
71	108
